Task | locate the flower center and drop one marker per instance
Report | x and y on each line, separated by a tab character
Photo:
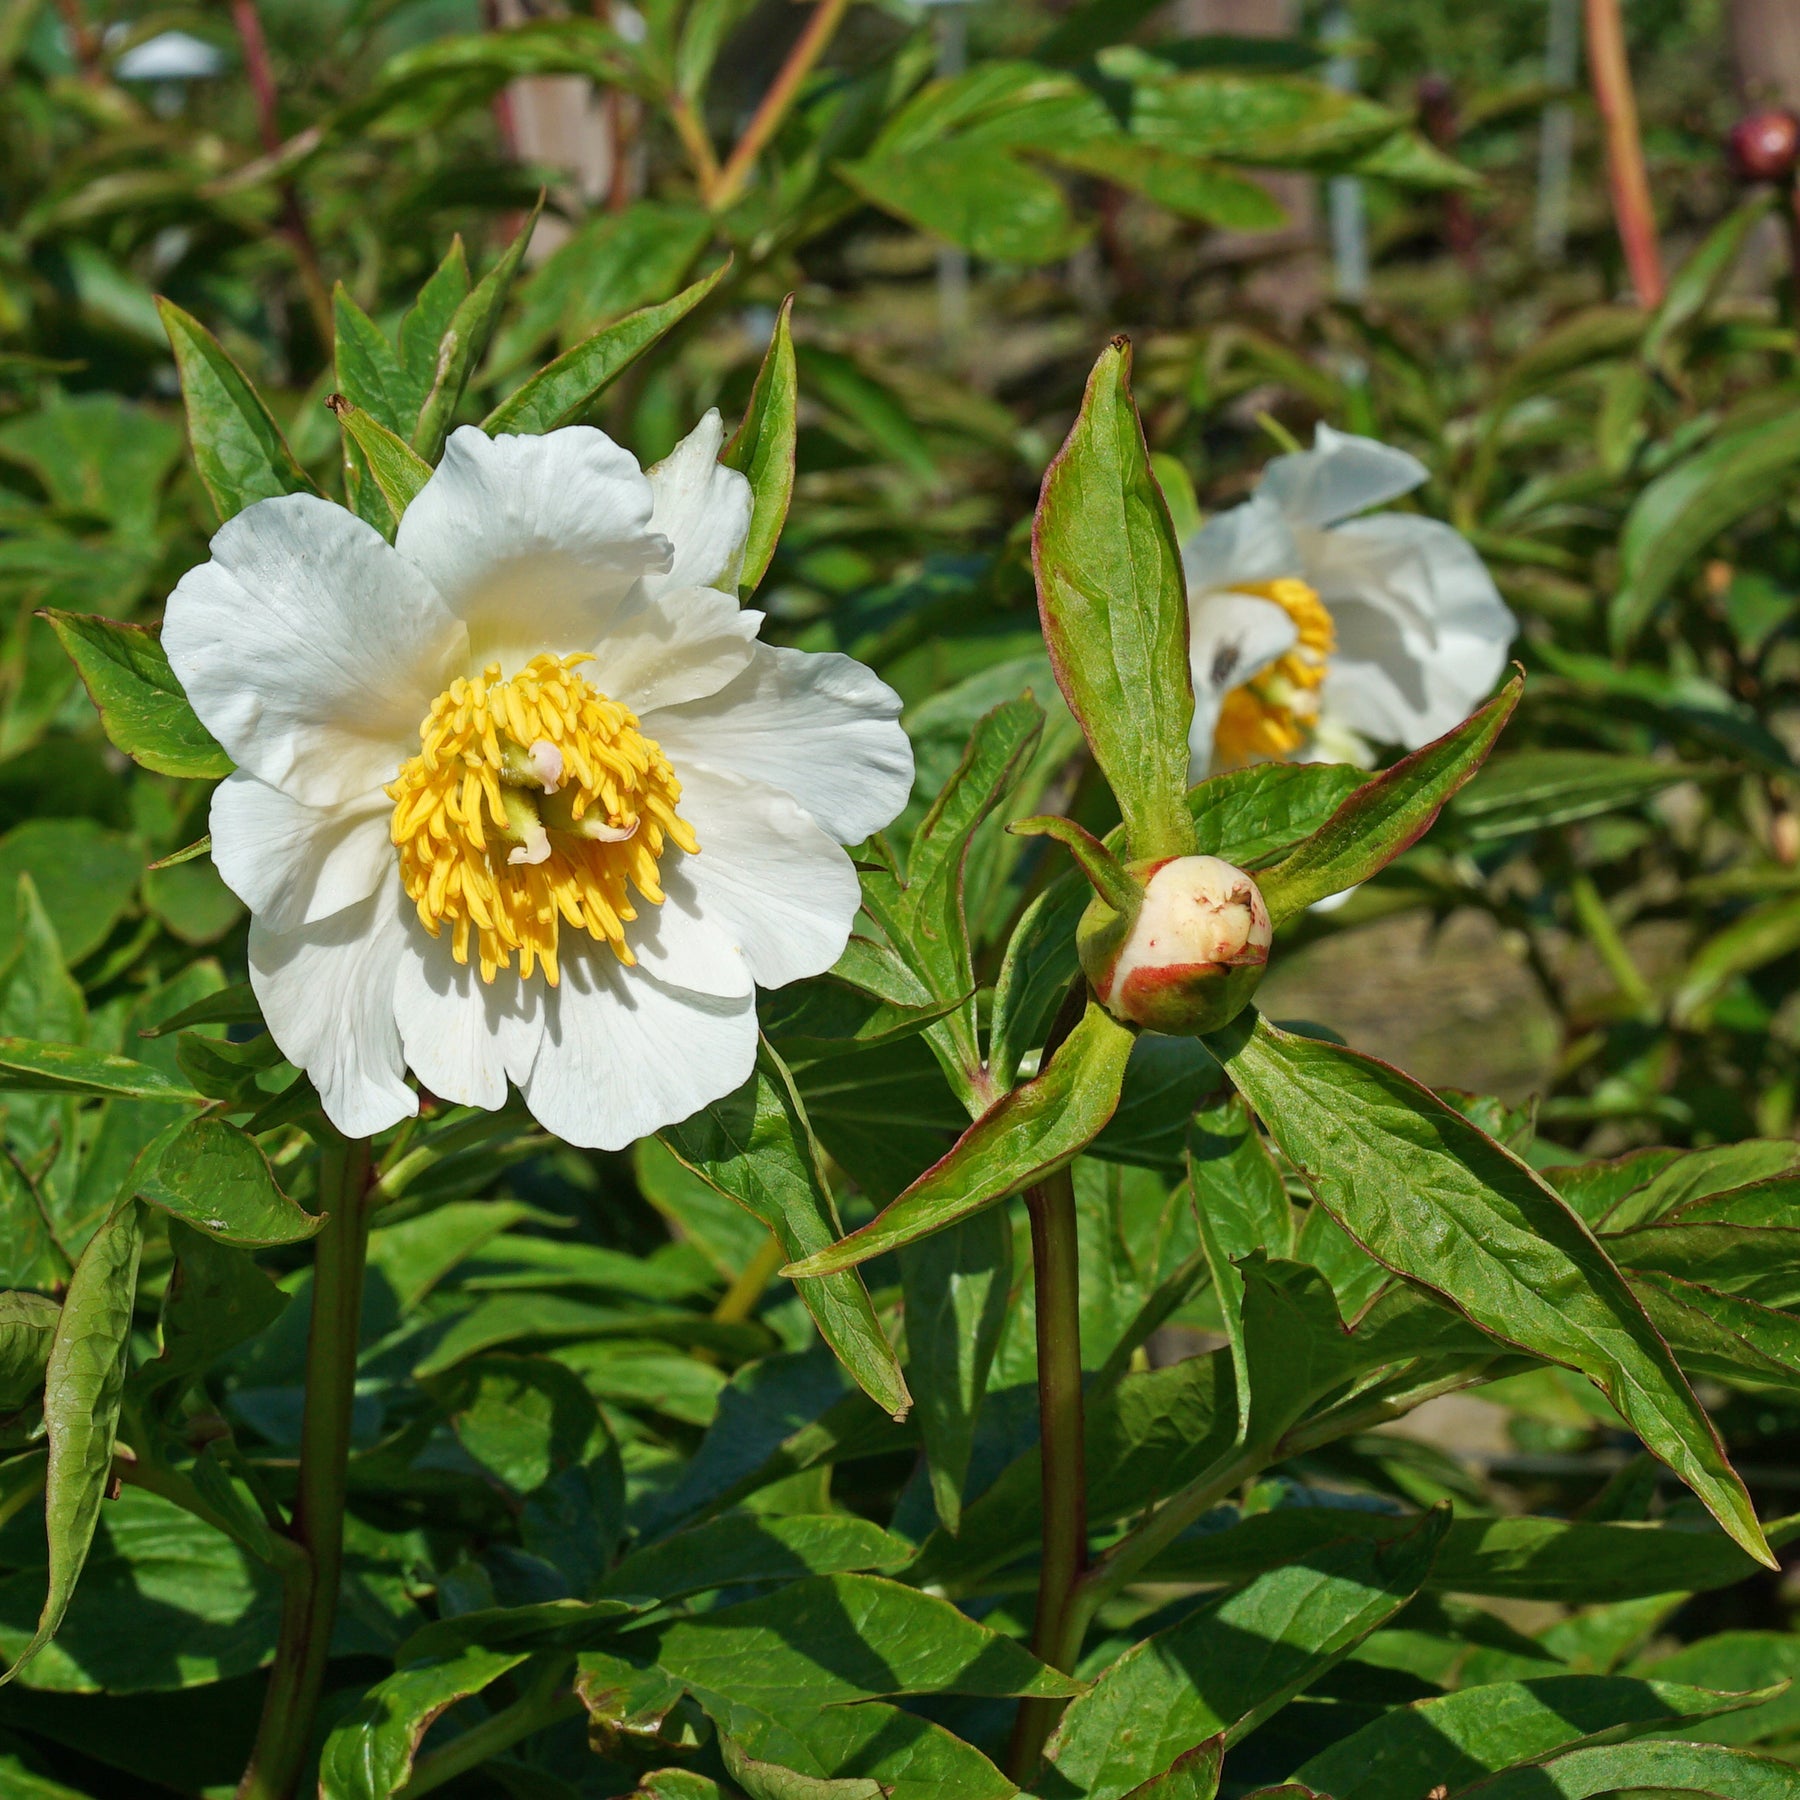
534	802
1272	716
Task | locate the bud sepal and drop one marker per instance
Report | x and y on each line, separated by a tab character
1186	958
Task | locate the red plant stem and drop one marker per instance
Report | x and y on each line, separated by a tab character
1625	173
261	73
84	41
772	109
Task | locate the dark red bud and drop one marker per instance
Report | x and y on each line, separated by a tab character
1765	146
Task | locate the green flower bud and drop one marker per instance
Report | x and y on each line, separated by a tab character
1187	959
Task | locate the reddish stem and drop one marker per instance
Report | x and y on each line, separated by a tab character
1625	173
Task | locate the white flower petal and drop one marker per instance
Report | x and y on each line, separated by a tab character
309	649
1389	685
327	993
819	727
1246	543
1339	476
1422	572
681	945
684	645
294	864
781	890
622	1055
1232	638
464	1037
703	509
537	542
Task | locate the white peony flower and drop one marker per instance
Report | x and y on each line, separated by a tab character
521	797
1314	633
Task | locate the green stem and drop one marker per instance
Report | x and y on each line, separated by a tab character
310	1585
1603	934
542	1703
1056	1275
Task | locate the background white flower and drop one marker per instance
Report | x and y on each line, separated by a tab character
1314	633
521	796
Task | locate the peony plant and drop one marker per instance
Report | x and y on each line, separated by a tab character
522	803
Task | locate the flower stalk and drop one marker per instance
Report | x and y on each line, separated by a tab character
773	107
1610	72
310	1583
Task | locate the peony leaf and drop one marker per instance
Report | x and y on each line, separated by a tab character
1225	1667
28	1325
1114	607
239	451
560	393
1463	1736
30	1067
370	1753
758	1547
923	915
83	1384
211	1175
397	470
1024	1136
1193	1775
1583	1772
756	1147
1385	816
1433	1198
141	705
957	1284
763	449
465	341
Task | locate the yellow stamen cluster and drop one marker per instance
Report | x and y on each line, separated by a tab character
534	802
1272	716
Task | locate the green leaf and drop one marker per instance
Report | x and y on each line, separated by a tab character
1762	935
1679	513
83	1384
1227	1666
1531	790
239	451
88	874
217	1179
166	1602
1556	1560
827	1639
1385	816
1458	1738
216	1299
1697	283
369	374
991	204
756	1547
560	393
142	708
1150	1435
465	341
762	449
868	1752
541	1625
1438	1202
1609	1769
1024	1136
1193	1775
957	1286
1736	1662
397	470
370	1752
28	1067
422	335
27	1330
1114	607
923	916
757	1147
